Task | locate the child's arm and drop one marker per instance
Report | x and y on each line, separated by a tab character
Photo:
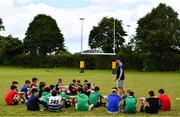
72	97
21	93
122	103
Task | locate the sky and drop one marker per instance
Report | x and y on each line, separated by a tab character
17	14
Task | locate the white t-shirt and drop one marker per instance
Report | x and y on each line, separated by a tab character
55	103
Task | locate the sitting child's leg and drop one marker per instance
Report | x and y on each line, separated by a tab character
143	104
44	104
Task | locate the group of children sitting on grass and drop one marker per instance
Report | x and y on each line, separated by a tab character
83	97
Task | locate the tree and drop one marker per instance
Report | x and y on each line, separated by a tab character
101	36
1	25
43	36
10	47
64	53
158	39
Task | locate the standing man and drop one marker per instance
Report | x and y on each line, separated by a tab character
120	75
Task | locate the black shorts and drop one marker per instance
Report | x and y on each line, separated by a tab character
150	110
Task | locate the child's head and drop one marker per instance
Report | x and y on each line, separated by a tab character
118	59
27	83
96	88
114	90
54	93
84	88
42	85
52	87
128	91
34	92
34	80
47	89
78	82
131	93
59	80
13	87
15	83
74	81
85	81
151	93
161	91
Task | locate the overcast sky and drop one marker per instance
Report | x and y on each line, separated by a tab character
17	14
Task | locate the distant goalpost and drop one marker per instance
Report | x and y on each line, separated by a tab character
95	53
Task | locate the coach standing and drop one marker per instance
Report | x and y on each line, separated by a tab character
120	75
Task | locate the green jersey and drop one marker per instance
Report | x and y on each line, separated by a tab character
45	96
130	104
82	102
64	97
94	98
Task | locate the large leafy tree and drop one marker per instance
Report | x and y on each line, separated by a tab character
1	25
10	47
43	36
158	39
101	36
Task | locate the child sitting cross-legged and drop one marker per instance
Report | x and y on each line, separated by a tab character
26	87
95	97
129	102
165	100
12	96
45	95
68	100
59	84
151	104
113	101
34	82
33	102
55	102
41	88
82	102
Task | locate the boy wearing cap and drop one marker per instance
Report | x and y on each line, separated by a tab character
120	75
113	102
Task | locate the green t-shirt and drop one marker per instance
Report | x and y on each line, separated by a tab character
130	104
82	102
45	96
64	96
94	98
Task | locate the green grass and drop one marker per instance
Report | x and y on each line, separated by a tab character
140	82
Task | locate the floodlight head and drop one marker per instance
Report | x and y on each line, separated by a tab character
128	25
81	18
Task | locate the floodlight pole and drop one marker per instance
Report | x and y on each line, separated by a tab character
114	43
82	62
128	26
82	22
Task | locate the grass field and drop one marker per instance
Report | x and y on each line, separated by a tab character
140	82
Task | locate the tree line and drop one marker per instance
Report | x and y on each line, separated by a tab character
155	47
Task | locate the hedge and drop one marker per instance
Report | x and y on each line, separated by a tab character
71	61
131	61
